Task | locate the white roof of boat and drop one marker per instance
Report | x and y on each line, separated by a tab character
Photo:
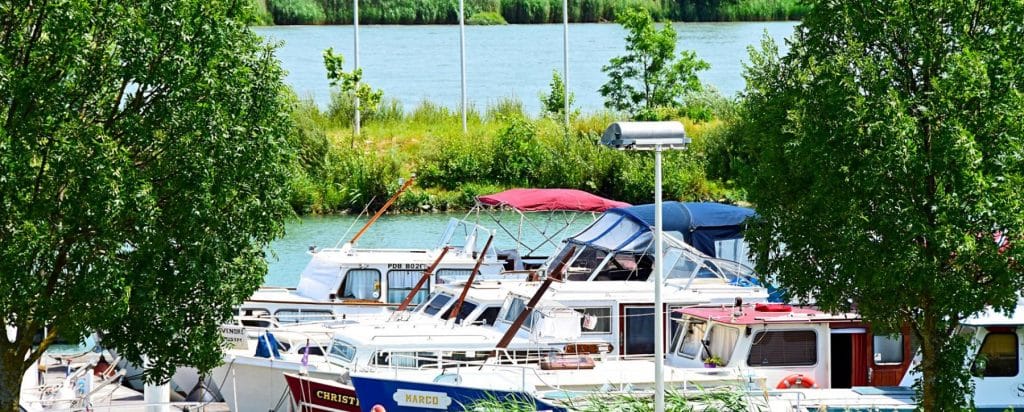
403	256
642	292
992	318
410	336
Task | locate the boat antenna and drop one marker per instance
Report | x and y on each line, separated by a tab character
383	209
423	279
469	282
350	225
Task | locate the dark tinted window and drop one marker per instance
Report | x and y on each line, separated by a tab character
784	348
436	304
489	315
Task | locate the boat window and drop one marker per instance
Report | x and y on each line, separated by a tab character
452	275
530	319
302	315
465	310
784	348
998	355
361	284
401	282
342	350
585	263
436	304
627	266
595	320
489	316
721	342
693	338
888	349
514	308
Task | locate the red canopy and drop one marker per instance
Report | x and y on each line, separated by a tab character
535	200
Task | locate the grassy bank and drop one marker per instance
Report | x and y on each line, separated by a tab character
519	11
504	148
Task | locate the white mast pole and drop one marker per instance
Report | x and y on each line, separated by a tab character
462	57
565	60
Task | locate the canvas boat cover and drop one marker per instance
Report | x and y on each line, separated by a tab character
547	200
700	223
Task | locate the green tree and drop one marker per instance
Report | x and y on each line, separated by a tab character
350	86
650	76
142	171
553	102
885	152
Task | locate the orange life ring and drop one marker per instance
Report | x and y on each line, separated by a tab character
796	380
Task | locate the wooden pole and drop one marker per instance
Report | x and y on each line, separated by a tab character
469	282
382	209
423	279
555	274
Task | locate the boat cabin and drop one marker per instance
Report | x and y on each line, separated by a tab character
788	346
995	359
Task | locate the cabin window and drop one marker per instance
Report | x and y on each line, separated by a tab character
595	320
464	310
302	316
452	275
436	304
888	349
515	307
401	282
693	338
342	350
627	266
585	263
361	284
784	348
489	316
722	341
998	355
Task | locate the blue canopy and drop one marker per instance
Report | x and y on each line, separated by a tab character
701	225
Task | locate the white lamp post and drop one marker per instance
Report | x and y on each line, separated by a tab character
656	136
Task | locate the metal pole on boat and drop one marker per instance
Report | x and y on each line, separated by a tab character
565	61
462	58
355	39
659	318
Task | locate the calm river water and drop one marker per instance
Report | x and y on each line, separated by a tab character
413	63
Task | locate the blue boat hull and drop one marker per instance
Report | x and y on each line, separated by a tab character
397	395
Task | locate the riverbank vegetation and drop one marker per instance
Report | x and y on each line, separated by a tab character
518	11
505	147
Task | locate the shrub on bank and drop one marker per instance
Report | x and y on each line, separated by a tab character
486	18
296	12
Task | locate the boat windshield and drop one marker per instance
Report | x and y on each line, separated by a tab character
435	304
693	332
342	351
464	235
685	263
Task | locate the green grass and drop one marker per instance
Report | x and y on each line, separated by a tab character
524	11
503	148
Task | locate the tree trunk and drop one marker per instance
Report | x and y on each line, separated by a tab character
12	370
928	369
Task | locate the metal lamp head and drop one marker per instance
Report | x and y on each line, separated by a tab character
645	136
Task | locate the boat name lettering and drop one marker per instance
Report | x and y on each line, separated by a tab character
337	398
1020	390
422	399
407	266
